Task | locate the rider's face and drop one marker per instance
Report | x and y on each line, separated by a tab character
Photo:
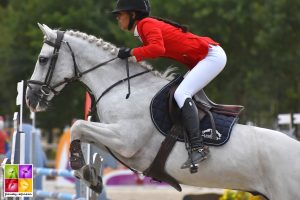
123	20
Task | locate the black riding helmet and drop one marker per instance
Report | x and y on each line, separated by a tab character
140	6
133	5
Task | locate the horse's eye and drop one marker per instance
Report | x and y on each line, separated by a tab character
43	60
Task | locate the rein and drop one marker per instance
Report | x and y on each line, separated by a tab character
93	109
46	88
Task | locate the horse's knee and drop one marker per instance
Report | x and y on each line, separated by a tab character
76	129
127	152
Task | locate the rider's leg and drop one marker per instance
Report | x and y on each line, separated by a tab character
204	72
191	123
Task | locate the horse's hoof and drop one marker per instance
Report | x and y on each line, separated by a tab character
91	179
98	188
89	174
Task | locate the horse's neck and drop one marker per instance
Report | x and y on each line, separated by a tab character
89	54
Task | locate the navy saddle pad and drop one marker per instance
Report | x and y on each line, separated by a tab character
159	110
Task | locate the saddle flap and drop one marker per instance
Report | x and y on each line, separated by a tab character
165	112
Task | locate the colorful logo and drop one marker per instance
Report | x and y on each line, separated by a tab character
18	180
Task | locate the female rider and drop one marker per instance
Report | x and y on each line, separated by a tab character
163	38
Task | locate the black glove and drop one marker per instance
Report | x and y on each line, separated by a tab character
124	52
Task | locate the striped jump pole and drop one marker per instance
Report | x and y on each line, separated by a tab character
54	195
54	172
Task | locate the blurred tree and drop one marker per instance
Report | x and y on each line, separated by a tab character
3	3
23	42
261	39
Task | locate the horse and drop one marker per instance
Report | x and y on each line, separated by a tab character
254	159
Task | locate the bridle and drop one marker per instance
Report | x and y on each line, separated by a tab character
46	88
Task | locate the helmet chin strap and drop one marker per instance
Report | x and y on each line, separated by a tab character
131	21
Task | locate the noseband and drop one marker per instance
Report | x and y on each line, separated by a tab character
46	88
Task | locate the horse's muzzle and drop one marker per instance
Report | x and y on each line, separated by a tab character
36	100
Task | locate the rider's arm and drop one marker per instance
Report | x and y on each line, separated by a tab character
153	44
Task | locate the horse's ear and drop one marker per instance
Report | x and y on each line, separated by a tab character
48	32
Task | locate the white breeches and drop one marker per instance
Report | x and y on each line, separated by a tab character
203	73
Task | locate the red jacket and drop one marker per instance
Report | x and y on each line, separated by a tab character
164	40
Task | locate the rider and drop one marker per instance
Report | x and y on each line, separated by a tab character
164	38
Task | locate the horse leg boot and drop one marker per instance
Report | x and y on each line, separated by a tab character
190	119
76	156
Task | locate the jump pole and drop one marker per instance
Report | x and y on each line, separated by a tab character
86	149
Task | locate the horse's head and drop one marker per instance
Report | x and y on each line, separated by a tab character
54	68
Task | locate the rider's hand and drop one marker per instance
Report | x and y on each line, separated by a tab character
124	52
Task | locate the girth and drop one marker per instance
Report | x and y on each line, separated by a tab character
157	167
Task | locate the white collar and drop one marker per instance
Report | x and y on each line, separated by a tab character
136	33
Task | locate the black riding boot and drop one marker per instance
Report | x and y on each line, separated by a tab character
190	119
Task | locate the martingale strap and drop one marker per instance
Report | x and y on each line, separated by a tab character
157	168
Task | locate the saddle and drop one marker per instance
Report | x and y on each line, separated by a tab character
166	116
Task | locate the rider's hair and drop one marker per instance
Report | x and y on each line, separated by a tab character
168	21
141	15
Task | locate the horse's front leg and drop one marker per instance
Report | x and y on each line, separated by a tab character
114	136
98	134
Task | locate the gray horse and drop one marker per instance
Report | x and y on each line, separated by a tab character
254	159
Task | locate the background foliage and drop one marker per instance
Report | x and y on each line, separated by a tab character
260	37
238	195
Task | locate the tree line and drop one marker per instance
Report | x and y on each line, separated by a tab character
261	39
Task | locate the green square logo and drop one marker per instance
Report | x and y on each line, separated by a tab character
11	171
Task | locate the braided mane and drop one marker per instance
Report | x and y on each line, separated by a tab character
99	42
